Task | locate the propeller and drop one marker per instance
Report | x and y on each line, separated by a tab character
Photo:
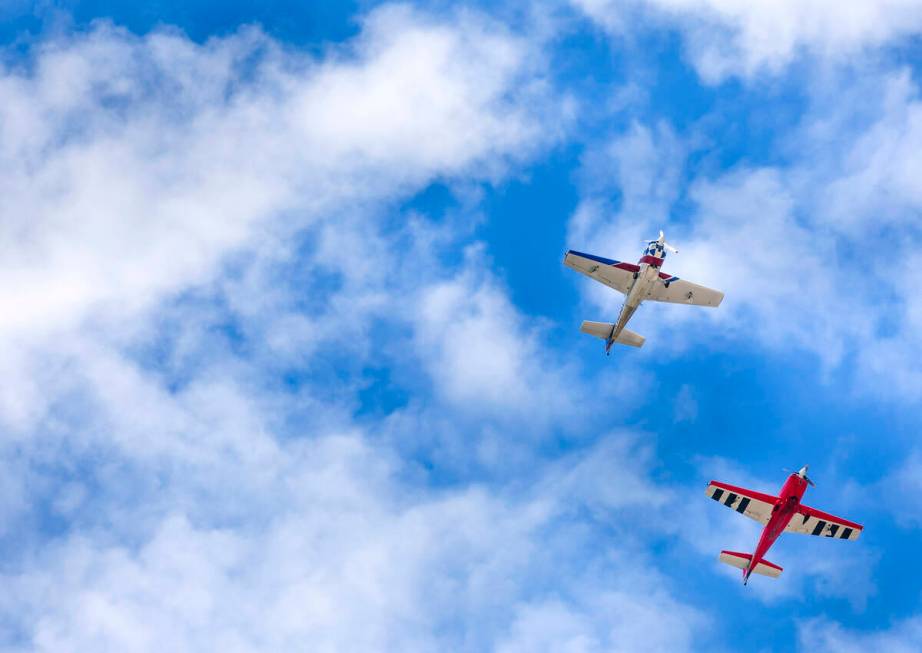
802	473
662	239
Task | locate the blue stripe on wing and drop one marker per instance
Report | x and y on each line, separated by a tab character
593	257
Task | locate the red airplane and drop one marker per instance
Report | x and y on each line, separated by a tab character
782	514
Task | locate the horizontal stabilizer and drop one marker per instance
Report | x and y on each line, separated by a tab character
742	560
603	329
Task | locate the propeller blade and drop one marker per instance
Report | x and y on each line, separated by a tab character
809	480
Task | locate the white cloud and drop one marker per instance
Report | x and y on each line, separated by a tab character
870	162
772	267
823	635
906	481
186	490
480	354
733	38
334	550
641	617
135	164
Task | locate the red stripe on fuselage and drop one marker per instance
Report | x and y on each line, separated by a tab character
655	261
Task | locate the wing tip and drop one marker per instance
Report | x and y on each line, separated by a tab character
591	257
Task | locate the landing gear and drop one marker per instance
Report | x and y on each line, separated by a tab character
667	283
635	275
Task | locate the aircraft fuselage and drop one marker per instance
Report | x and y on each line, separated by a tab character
785	508
647	277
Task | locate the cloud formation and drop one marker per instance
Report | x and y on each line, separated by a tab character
195	301
133	164
727	38
825	635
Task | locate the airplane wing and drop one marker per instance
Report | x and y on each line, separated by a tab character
754	505
811	521
680	291
614	274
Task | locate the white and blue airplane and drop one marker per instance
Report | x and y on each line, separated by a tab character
637	282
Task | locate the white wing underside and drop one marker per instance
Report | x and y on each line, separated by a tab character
685	292
755	505
603	270
810	521
620	276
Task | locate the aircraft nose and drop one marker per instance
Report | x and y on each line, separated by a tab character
803	471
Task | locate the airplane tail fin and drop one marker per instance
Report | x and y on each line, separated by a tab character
602	329
742	561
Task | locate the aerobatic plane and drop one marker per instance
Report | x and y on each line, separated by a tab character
782	514
640	281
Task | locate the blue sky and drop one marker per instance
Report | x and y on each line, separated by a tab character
292	361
